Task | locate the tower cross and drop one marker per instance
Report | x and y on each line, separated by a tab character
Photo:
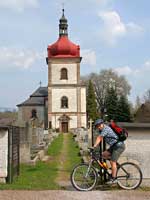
40	83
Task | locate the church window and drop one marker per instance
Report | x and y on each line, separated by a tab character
64	74
64	102
33	113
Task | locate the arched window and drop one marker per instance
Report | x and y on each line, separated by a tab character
64	102
33	113
64	74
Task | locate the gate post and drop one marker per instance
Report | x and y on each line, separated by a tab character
13	153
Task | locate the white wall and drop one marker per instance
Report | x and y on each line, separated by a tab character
83	121
3	153
72	73
58	93
83	99
55	121
73	122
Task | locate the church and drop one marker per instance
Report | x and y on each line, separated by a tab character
62	104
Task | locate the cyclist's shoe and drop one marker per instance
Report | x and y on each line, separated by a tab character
112	181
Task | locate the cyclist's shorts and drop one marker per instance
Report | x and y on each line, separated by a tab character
116	151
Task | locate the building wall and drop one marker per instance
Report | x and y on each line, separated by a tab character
56	122
24	113
73	121
72	73
70	88
84	120
83	99
58	93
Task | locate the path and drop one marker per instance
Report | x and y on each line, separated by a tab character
74	195
63	178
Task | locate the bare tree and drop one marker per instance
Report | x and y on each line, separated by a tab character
147	96
106	79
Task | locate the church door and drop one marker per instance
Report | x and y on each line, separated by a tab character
64	126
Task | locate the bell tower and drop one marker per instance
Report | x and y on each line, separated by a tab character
66	94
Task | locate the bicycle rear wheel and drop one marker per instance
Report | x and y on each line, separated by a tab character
84	177
129	176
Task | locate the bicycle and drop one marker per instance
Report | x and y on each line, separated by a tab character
84	176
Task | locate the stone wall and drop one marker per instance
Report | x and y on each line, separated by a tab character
24	113
138	150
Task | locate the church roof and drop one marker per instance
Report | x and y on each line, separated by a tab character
63	47
40	92
37	98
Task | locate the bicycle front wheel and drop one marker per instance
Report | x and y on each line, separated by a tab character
129	176
84	177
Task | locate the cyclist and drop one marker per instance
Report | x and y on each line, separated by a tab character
115	149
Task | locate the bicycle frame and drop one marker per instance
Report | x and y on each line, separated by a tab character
100	163
85	176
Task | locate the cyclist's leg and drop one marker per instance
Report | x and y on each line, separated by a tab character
106	154
116	152
114	168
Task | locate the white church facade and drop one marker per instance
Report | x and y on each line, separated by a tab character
64	100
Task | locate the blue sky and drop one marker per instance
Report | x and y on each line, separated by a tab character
111	34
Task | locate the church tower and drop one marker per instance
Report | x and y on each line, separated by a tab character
66	94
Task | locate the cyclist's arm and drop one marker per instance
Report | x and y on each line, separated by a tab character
98	140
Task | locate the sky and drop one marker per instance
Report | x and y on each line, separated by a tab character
111	34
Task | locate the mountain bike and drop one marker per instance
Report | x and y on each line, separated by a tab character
84	176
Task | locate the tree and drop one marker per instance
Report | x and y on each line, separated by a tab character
147	96
103	81
111	104
123	110
137	105
91	102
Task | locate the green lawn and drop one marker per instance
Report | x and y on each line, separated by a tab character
43	175
73	154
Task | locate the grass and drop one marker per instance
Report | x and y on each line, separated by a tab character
40	176
73	154
56	147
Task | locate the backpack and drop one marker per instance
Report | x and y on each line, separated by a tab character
121	132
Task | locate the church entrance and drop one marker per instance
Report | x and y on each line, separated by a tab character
64	126
64	123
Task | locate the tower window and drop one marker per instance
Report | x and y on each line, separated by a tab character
33	113
64	102
64	74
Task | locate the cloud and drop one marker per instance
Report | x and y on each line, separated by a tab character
134	28
10	57
130	71
89	57
146	66
114	27
123	70
18	5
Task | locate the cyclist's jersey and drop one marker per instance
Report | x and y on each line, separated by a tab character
109	135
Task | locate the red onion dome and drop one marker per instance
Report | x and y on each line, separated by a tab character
63	48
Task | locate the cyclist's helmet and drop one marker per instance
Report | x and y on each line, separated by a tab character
98	121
